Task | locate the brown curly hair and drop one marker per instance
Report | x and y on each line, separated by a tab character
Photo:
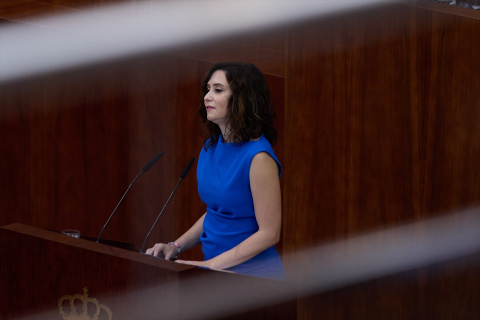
250	111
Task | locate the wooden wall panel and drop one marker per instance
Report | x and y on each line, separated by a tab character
440	291
349	126
454	147
384	133
84	139
71	156
382	130
20	10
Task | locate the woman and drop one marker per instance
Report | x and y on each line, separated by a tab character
238	177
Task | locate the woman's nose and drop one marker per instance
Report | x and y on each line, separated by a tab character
207	97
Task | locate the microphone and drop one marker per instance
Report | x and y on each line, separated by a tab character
144	169
152	162
182	176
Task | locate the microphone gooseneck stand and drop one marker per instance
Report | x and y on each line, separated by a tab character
182	176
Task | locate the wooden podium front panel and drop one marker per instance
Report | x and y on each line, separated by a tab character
37	271
39	267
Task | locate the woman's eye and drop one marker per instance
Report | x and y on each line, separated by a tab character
218	90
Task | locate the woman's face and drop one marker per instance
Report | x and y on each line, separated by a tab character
216	99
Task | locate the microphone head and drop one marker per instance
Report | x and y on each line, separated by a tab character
152	162
187	168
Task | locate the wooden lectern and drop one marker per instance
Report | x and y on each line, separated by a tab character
48	275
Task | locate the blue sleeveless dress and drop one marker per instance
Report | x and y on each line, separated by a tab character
224	186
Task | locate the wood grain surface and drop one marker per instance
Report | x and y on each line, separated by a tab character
378	120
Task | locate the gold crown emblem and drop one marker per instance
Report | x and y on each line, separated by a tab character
90	307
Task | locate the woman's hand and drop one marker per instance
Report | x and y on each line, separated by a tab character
162	250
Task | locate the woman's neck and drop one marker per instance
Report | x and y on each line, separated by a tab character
225	133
